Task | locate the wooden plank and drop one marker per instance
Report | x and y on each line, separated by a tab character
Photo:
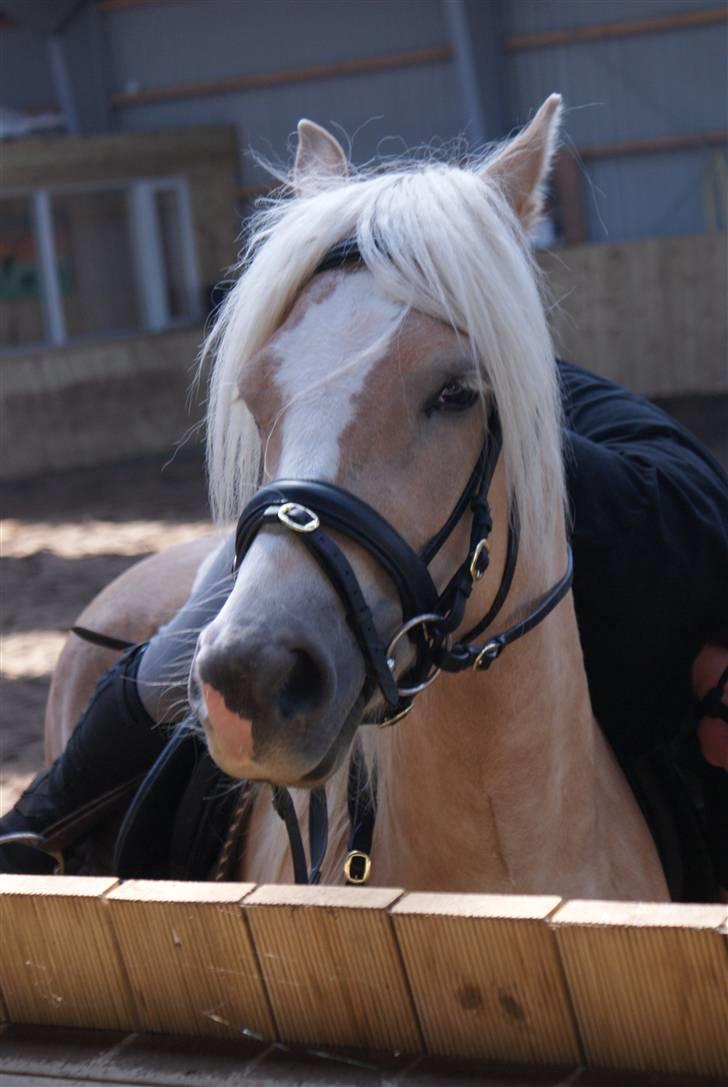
485	977
190	958
649	984
235	84
681	20
331	966
59	965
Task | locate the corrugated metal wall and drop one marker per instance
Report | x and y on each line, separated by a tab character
190	42
656	84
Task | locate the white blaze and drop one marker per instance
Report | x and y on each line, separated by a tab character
323	363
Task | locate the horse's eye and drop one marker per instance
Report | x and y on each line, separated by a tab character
455	396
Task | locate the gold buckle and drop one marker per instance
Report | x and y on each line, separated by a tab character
475	573
356	855
284	516
489	653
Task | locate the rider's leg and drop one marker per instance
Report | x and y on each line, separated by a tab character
118	736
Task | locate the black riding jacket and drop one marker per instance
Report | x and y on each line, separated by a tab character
650	539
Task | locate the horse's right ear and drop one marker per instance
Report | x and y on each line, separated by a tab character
319	159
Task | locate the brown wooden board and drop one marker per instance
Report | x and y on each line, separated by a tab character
59	963
332	967
190	959
485	977
649	983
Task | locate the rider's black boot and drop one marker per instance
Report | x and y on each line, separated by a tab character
54	824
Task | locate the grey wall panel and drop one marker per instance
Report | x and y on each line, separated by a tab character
630	89
384	112
162	46
26	82
535	16
648	196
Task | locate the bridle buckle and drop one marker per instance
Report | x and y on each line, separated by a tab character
288	510
488	654
476	570
357	866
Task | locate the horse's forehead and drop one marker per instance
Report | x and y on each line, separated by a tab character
335	320
343	337
318	362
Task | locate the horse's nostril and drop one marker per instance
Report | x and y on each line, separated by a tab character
303	688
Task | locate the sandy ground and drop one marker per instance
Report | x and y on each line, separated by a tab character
62	538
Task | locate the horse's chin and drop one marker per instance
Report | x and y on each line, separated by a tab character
280	767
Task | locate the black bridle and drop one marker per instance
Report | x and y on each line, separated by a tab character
430	618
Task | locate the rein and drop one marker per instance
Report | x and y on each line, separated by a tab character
429	619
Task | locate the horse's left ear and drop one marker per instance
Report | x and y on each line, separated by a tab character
522	167
319	159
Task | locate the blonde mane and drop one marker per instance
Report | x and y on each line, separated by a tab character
439	238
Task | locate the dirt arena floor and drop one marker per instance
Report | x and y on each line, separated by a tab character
66	535
62	538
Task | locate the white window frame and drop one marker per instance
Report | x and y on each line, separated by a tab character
150	274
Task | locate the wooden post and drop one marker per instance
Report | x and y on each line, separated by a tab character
486	978
649	983
190	958
59	964
332	967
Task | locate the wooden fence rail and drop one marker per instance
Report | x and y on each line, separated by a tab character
526	979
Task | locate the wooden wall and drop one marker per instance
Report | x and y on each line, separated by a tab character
522	979
651	314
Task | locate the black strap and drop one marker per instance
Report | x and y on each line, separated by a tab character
361	797
104	640
345	252
318	829
345	513
337	567
509	569
481	657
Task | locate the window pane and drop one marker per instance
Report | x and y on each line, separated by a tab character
94	256
21	306
168	215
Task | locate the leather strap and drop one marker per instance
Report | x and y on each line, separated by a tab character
338	569
345	513
318	829
104	640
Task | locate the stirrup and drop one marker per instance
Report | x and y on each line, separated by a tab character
36	841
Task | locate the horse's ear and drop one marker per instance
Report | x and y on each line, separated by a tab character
319	158
522	167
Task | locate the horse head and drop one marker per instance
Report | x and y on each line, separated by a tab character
376	376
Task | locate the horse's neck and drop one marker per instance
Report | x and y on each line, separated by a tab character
496	782
501	781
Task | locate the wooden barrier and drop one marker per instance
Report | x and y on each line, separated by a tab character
525	979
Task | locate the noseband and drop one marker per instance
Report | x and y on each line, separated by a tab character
309	508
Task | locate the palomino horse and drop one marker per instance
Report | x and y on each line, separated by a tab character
379	375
